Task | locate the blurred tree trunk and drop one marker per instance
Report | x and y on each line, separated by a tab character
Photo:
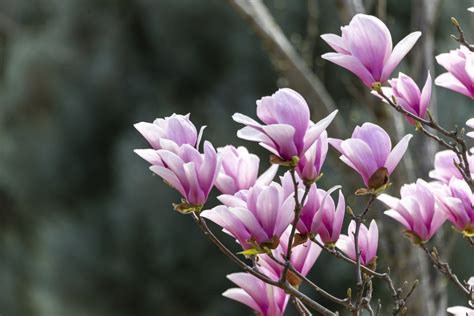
425	14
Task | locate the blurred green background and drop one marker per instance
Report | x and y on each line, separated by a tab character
86	229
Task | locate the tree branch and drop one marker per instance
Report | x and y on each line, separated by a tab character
444	268
285	286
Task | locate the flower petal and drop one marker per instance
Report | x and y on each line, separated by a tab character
149	155
448	81
317	129
169	177
336	42
399	52
241	296
353	65
361	157
425	95
397	153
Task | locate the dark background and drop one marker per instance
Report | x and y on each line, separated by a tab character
85	228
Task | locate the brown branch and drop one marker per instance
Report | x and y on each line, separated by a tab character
298	207
285	286
399	301
457	143
445	269
360	283
343	302
300	307
460	38
470	240
289	63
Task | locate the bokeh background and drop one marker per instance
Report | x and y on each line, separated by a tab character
86	229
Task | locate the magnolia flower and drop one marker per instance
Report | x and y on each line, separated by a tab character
287	132
365	49
369	152
457	198
460	66
239	170
444	168
190	172
416	210
461	311
470	9
310	165
264	211
368	243
303	257
320	216
470	123
408	95
169	133
263	298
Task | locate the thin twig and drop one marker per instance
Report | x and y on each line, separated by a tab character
445	269
399	302
470	240
460	38
317	289
300	307
360	285
457	143
298	207
285	286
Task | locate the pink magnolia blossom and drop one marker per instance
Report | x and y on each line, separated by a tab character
188	171
369	152
167	133
263	298
264	211
457	199
287	131
239	170
320	216
460	66
302	259
409	96
444	168
368	242
417	210
365	49
310	165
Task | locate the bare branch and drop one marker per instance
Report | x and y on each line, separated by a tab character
460	38
285	286
300	307
457	143
444	268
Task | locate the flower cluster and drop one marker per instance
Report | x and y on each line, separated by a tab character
257	211
282	222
